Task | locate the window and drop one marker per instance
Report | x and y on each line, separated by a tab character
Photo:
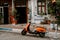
41	7
0	11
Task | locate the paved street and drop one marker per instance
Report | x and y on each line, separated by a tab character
18	36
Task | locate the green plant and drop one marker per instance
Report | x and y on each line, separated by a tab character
1	19
14	11
55	10
41	14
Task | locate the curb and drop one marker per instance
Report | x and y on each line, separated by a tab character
11	30
6	29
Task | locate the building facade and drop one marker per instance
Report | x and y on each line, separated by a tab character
24	10
38	10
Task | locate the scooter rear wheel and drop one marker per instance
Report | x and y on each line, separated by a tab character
42	34
23	32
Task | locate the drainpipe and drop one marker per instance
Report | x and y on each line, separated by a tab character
12	16
13	7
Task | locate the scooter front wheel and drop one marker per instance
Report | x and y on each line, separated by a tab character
23	32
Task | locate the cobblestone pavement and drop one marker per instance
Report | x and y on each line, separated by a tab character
18	36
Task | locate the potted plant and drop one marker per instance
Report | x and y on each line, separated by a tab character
42	14
13	17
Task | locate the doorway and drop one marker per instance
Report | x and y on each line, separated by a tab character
21	15
6	20
6	15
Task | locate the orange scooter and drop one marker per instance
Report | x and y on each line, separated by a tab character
39	30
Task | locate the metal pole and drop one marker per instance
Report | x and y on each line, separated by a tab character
55	36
